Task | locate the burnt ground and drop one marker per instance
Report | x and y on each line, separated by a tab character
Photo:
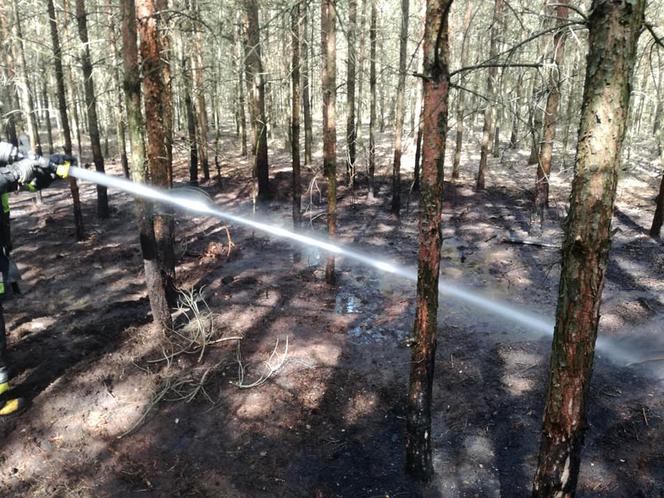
330	422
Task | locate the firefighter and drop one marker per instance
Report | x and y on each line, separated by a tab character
18	172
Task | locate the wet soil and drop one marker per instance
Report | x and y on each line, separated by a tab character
330	422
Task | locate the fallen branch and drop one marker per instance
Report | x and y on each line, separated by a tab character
529	243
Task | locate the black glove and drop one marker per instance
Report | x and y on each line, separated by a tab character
59	164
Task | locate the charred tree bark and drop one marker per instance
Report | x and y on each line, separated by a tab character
157	149
425	332
296	100
91	105
191	117
550	118
64	119
372	101
329	85
132	89
490	110
614	28
256	83
658	219
400	110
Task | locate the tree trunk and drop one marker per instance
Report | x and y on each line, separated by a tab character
241	95
120	128
165	49
64	119
296	100
132	88
350	89
490	109
47	116
614	29
372	192
400	109
425	332
658	219
418	150
306	97
157	150
328	41
24	84
550	117
199	93
91	105
191	116
256	84
461	100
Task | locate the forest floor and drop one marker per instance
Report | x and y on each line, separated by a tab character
331	420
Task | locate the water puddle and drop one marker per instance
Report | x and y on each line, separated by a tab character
346	304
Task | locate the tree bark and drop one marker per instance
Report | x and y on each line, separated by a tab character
166	52
306	97
550	117
191	116
372	100
64	119
256	85
614	28
329	86
400	110
47	115
161	315
296	100
490	109
351	130
91	105
436	91
199	93
157	149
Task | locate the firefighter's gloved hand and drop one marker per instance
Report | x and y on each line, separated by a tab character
35	173
60	163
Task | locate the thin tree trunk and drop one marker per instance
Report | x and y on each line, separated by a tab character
47	115
161	315
157	151
306	97
64	119
241	95
120	128
24	84
163	18
614	29
425	331
461	100
199	93
256	83
400	110
541	200
418	150
372	191
491	88
296	100
329	86
361	63
350	88
191	115
658	219
91	105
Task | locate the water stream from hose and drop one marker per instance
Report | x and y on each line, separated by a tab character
534	323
